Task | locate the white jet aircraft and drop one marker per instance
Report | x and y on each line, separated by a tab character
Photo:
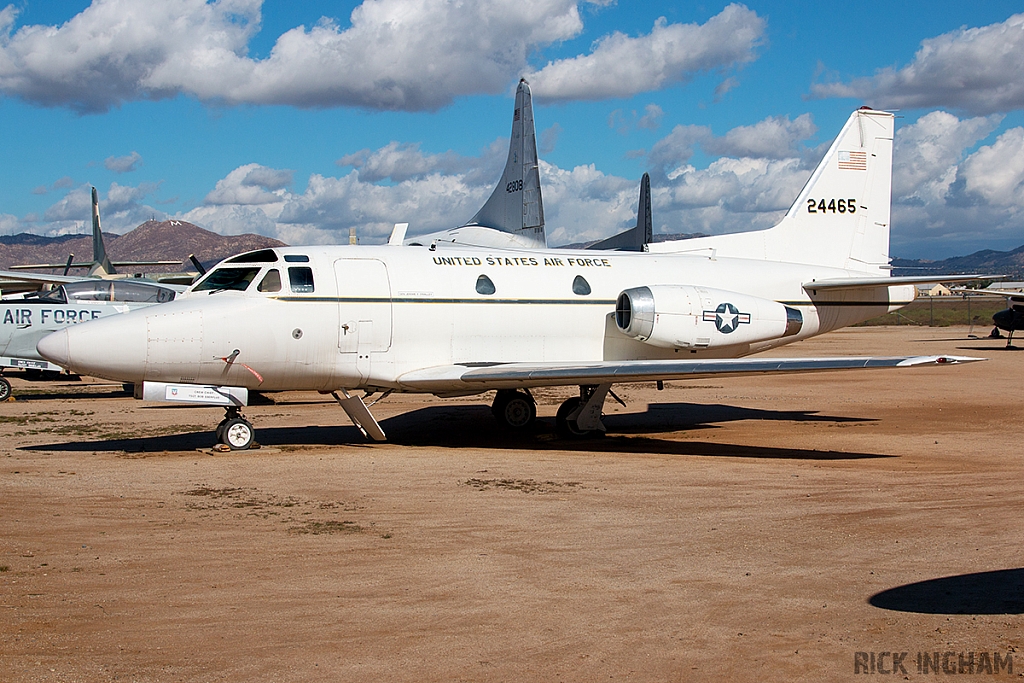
459	320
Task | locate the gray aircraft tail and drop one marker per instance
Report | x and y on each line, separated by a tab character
636	238
516	205
100	263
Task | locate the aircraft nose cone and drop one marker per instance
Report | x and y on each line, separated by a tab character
54	348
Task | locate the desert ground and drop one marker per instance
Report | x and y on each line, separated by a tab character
811	527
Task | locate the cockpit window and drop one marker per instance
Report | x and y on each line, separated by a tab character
237	279
136	292
54	296
271	281
261	256
89	290
300	278
296	258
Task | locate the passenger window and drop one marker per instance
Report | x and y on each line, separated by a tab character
271	281
580	286
484	285
300	279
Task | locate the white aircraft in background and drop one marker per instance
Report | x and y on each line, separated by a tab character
25	318
460	320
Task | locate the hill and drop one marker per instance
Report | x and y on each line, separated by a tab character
1010	263
151	241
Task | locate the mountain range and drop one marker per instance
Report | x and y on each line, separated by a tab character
153	240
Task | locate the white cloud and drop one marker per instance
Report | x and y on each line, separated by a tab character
395	54
401	162
122	209
776	137
248	185
621	66
979	70
995	173
926	153
125	164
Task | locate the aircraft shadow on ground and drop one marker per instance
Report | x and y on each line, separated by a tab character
996	592
474	427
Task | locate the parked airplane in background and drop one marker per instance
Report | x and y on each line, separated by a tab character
459	320
637	238
100	266
29	318
25	318
513	216
1011	318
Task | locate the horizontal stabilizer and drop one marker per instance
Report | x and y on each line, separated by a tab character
875	282
512	375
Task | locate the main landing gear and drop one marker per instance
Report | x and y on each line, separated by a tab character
5	389
514	409
235	431
577	418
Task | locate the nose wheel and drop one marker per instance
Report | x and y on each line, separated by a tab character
236	432
5	389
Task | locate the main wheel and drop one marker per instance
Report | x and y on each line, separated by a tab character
567	428
220	430
514	409
238	434
5	389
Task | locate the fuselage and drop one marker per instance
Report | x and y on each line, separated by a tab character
324	318
26	319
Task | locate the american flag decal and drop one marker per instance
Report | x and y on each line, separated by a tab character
515	115
853	161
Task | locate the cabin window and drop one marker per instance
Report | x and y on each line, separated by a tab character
300	278
271	282
580	286
237	279
261	256
484	285
296	258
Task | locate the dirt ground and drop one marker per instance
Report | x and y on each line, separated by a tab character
798	528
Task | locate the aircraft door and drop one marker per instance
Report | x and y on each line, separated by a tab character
364	300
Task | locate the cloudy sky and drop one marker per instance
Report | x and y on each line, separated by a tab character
301	120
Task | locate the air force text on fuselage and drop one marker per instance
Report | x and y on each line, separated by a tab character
24	318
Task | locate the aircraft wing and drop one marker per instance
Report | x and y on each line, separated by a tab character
874	282
514	375
39	278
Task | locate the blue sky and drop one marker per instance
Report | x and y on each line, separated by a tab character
301	120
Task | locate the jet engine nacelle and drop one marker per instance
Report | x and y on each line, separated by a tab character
688	317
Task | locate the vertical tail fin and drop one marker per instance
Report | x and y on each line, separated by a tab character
841	216
100	263
516	205
637	238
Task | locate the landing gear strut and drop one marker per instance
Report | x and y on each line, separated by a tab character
580	417
514	409
235	431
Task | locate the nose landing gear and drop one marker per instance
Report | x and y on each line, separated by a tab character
236	432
